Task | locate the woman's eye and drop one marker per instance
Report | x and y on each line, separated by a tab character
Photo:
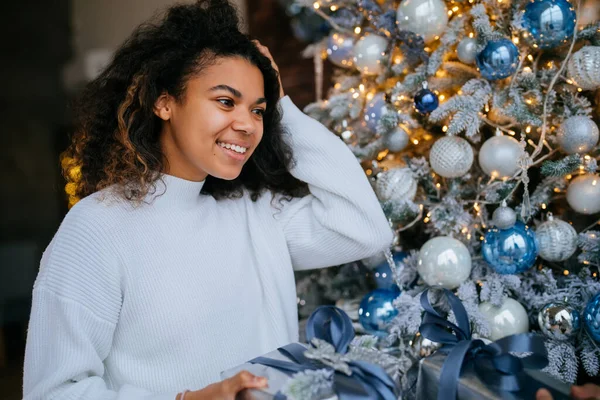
226	102
259	111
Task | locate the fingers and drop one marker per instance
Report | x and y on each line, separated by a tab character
245	380
587	391
543	394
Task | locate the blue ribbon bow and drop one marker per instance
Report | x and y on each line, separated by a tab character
493	363
334	326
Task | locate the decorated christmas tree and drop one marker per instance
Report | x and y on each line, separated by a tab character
474	121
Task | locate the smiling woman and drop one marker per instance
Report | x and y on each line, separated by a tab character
217	126
202	189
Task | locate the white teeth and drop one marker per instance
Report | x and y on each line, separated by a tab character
236	148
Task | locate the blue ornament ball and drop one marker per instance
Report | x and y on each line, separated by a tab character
510	251
549	23
375	108
376	311
340	48
498	60
384	277
591	318
426	101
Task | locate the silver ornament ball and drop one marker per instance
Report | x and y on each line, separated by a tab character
504	217
467	50
444	261
557	240
396	184
369	52
508	319
583	194
499	156
397	140
559	321
427	18
584	67
451	156
577	134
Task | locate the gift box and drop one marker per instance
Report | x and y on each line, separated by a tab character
471	387
329	332
465	368
276	378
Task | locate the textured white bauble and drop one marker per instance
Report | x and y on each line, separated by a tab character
467	50
396	184
577	134
499	156
583	194
444	261
557	240
427	18
396	140
369	52
451	156
508	319
584	67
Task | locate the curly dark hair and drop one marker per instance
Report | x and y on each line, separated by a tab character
116	140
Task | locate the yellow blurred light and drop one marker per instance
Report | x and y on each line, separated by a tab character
357	30
528	129
415	141
565	272
530	57
333	8
444	128
316	5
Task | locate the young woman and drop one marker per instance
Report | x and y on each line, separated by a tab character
203	187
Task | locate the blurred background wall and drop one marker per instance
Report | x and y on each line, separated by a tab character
50	49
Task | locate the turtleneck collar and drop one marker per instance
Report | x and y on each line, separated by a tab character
174	191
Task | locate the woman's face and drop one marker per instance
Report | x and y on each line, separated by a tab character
216	126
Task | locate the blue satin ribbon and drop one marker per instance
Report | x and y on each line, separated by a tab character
368	381
493	363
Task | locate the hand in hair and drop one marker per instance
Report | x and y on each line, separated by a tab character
265	52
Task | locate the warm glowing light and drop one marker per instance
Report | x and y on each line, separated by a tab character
357	30
316	5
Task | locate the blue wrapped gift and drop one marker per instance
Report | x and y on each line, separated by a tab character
357	380
465	368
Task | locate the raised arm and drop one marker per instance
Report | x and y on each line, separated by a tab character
341	220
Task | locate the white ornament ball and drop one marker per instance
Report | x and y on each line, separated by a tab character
508	319
577	134
583	194
499	156
444	261
396	184
397	140
451	156
467	50
369	52
557	240
427	18
504	217
584	67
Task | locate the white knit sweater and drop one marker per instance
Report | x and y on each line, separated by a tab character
143	302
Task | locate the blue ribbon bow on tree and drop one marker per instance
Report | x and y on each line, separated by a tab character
493	362
328	323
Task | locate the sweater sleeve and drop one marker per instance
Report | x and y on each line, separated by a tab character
341	219
75	308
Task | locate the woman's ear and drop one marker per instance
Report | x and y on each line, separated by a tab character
162	107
